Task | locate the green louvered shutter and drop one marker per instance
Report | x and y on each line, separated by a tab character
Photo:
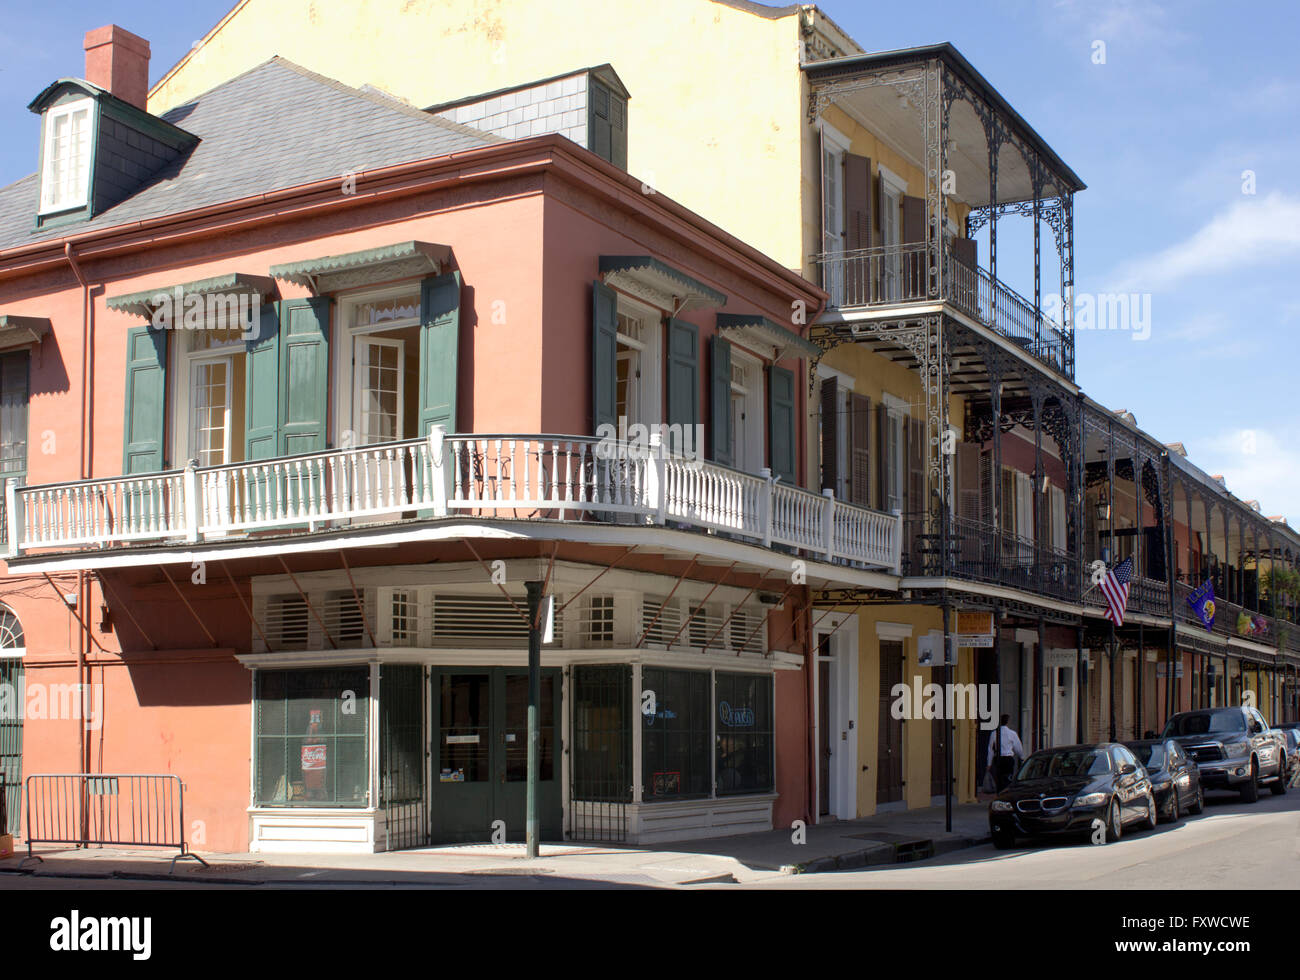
262	388
145	392
720	401
604	356
439	345
780	423
684	380
304	374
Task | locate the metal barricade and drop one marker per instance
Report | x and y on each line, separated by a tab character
116	809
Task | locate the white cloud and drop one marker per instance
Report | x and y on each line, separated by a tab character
1257	464
1253	231
1129	20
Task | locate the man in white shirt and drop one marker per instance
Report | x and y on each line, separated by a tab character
1005	753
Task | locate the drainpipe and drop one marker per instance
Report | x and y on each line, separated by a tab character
83	607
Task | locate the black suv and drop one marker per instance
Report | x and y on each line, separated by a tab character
1233	749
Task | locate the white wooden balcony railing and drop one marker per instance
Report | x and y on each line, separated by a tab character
531	477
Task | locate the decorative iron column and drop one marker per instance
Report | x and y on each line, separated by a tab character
1036	400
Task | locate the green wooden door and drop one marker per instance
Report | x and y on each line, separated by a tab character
480	756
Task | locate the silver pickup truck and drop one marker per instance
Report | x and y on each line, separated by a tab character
1233	748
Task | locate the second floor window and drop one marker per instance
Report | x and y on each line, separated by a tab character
212	363
13	415
382	335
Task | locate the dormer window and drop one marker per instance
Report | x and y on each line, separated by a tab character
65	180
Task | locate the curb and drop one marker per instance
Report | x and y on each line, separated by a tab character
881	855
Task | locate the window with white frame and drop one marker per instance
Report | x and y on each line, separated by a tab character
892	189
833	147
65	175
747	414
378	378
894	457
211	394
638	396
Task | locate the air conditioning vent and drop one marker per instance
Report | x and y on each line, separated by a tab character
478	620
345	619
286	622
706	625
744	623
660	620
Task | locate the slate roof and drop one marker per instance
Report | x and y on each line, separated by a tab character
274	127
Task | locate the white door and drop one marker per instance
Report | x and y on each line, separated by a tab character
833	220
837	720
1064	699
379	477
890	235
210	404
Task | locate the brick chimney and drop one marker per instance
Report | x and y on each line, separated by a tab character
118	61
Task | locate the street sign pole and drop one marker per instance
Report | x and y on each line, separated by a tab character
534	696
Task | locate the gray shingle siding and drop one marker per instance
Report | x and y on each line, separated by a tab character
275	127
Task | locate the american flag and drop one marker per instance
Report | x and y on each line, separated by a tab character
1115	588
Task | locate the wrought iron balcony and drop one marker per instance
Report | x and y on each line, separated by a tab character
1232	620
1145	595
896	275
525	477
983	553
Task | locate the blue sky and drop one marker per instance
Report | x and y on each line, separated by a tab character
1191	95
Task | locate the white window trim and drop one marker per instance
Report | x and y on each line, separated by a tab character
891	181
834	136
51	115
755	409
344	343
897	410
650	390
845	380
184	362
194	362
400	347
893	631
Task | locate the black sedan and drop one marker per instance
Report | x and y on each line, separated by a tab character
1074	790
1175	778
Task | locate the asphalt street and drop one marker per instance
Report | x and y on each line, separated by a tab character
1231	845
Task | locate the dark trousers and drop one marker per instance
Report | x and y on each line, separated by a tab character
1003	767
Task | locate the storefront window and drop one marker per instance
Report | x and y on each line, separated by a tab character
744	719
675	735
312	737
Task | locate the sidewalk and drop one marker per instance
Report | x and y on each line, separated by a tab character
837	845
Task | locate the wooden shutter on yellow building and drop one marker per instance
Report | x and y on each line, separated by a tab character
830	406
860	450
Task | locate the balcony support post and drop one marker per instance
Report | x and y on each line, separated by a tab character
828	523
1038	264
439	472
190	500
1036	398
656	479
995	393
1138	731
765	518
14	517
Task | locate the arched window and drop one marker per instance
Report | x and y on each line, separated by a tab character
11	631
12	648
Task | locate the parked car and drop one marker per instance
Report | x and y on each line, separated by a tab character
1292	737
1073	790
1233	749
1175	779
